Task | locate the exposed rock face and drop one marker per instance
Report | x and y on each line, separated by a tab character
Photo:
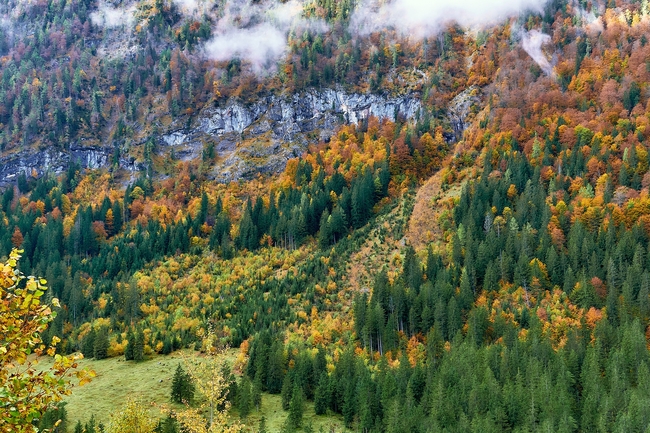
276	129
459	110
246	138
57	161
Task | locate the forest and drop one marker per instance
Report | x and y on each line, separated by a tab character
527	307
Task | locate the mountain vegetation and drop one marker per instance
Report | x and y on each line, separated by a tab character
522	302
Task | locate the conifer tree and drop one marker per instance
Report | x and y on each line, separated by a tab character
182	387
244	397
130	346
138	348
88	346
296	407
322	395
257	393
262	427
286	392
101	344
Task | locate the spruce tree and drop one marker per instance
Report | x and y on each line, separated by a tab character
244	399
257	393
262	427
88	347
182	386
296	408
321	396
286	392
130	346
101	344
138	348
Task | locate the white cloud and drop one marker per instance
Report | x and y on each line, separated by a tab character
110	17
532	43
422	18
257	31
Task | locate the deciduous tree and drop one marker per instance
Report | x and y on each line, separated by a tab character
25	391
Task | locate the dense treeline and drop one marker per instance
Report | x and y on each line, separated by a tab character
88	246
512	331
530	312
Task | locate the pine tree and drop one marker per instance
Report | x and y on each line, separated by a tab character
322	395
101	344
130	346
168	425
286	392
138	347
296	408
324	235
88	347
182	387
262	427
257	393
244	398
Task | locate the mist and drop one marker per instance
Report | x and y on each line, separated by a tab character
532	43
424	18
257	32
109	17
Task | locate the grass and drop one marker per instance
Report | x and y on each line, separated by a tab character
275	417
151	380
116	379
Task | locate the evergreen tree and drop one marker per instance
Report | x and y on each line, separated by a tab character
182	387
257	393
138	347
322	395
262	427
296	407
244	398
130	346
102	344
286	392
168	425
88	346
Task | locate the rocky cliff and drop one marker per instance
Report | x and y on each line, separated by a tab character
261	137
246	139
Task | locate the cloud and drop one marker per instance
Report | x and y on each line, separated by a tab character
590	22
257	32
193	7
532	42
259	45
109	17
422	18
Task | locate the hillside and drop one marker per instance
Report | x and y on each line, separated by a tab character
401	217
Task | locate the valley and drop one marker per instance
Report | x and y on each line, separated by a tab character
324	215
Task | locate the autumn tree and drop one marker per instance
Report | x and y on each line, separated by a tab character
27	392
207	374
133	418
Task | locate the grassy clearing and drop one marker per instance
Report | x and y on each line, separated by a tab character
116	379
151	381
275	417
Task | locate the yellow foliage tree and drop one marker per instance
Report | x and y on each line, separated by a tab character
207	375
133	418
25	391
